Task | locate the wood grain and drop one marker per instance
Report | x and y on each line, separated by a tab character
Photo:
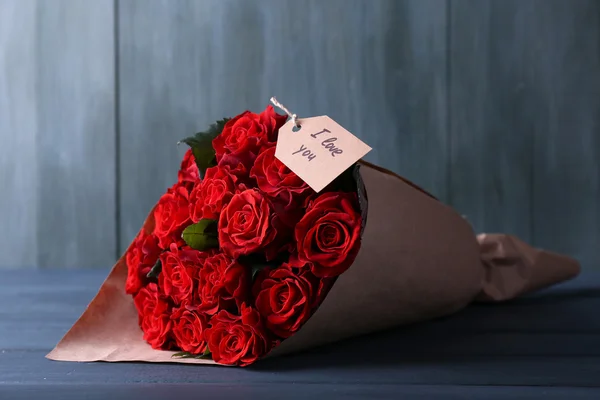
525	120
376	67
491	119
331	391
564	61
18	127
491	105
484	351
57	115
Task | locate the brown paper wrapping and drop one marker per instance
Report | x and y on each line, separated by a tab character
513	268
418	260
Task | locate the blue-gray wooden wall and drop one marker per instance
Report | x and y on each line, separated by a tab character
492	105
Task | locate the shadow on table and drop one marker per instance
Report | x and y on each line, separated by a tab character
549	323
557	296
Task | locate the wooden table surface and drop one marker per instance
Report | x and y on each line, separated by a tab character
543	346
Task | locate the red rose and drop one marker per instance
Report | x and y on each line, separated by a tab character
244	225
154	317
278	181
180	272
188	172
237	340
288	195
224	284
188	330
210	196
328	236
171	215
284	218
244	136
236	169
140	258
272	122
285	299
282	224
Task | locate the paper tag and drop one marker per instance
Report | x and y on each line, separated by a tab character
319	151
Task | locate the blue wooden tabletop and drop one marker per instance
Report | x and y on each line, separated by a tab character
543	346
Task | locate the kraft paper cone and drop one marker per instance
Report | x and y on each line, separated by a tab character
419	260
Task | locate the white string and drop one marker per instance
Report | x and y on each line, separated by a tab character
294	117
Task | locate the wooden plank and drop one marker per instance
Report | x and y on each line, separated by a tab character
491	119
332	391
554	334
61	134
376	67
18	126
314	368
564	60
525	114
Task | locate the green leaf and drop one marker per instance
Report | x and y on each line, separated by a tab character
186	354
201	145
206	355
256	269
256	263
202	235
155	271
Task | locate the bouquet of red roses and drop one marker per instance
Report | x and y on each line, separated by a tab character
242	251
241	258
